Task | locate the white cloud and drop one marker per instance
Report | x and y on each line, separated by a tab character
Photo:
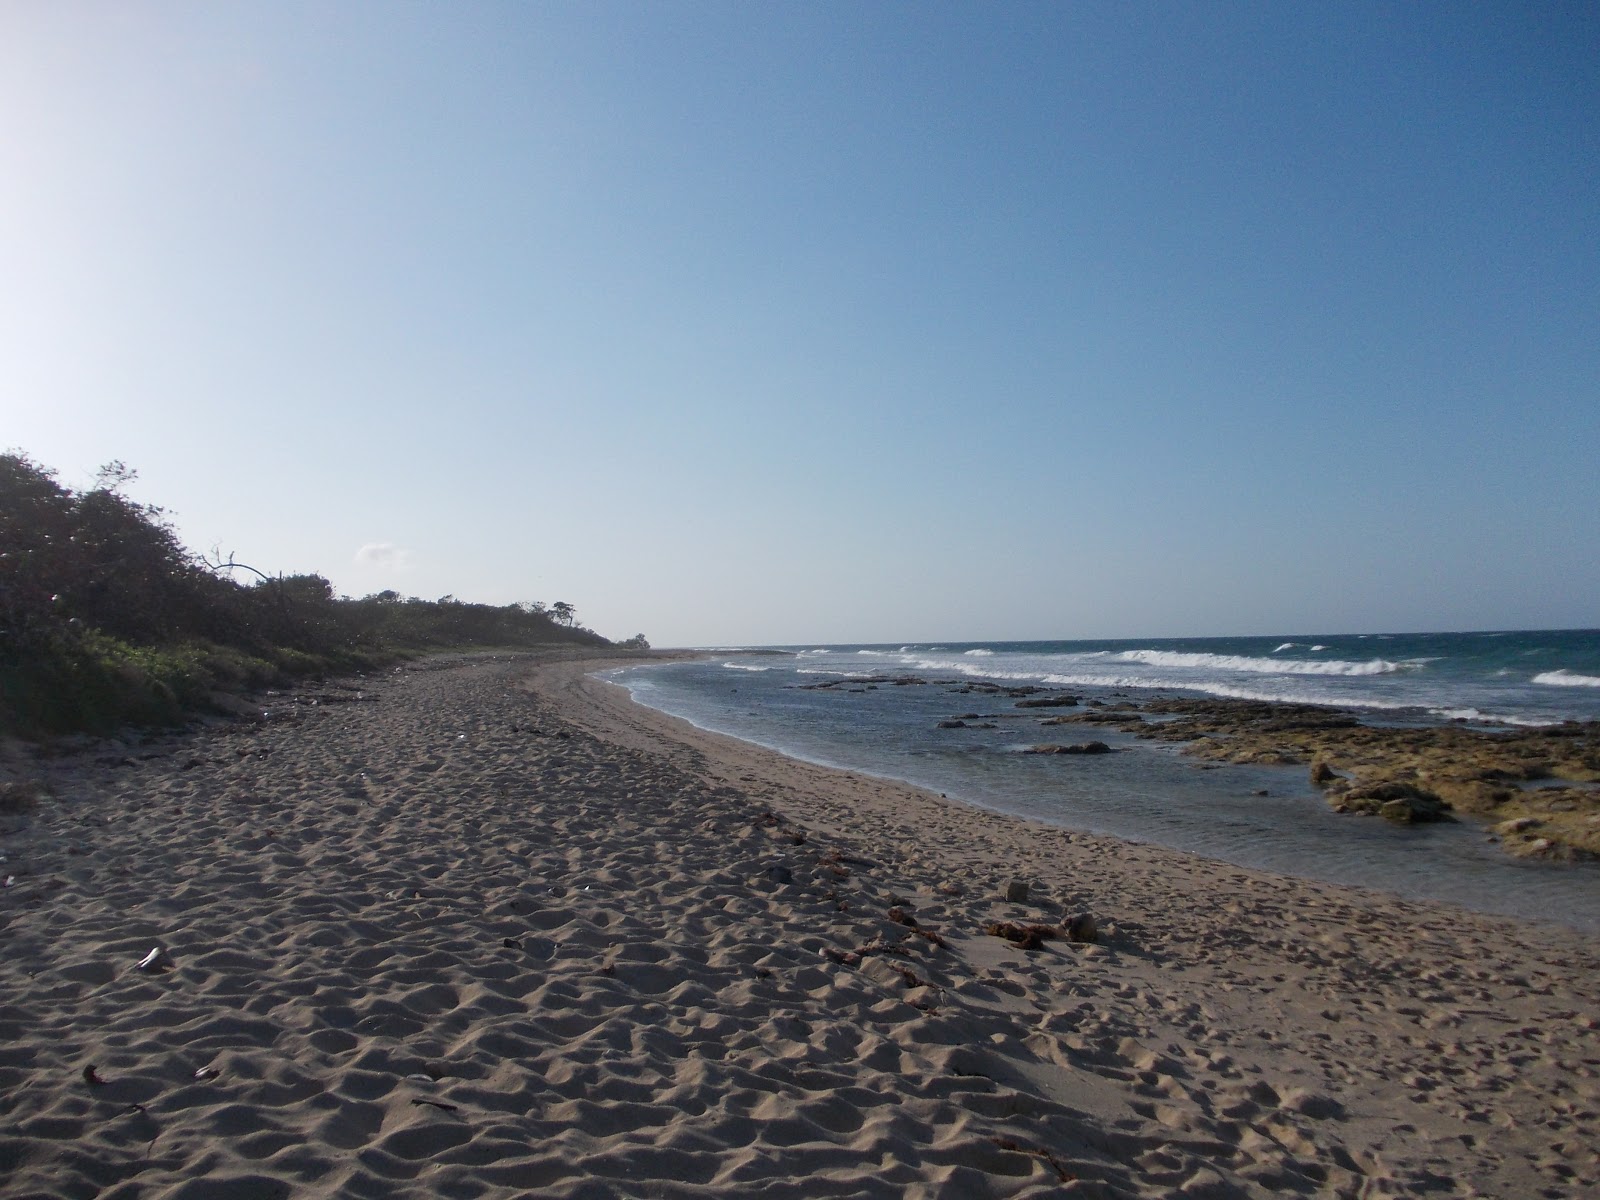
384	554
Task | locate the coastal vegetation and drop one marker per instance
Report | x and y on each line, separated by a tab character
106	618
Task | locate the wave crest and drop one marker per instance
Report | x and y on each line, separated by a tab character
1565	678
1190	660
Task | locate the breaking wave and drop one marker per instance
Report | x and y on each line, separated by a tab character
1189	660
1564	678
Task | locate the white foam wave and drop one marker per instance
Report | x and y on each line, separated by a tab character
742	667
1565	678
979	653
1187	660
1286	646
1473	714
975	670
1314	649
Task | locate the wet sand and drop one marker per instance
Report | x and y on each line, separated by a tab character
491	929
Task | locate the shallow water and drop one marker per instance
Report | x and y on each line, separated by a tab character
1144	792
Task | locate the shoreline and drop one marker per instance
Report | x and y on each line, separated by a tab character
501	930
1348	784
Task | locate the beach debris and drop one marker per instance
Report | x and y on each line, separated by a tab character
208	1073
91	1076
900	916
907	976
831	862
1081	927
1026	937
156	962
17	798
1016	1147
1049	702
439	1104
1017	891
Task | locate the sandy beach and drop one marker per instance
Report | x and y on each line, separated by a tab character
486	928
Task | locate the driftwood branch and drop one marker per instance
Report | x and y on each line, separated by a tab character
230	564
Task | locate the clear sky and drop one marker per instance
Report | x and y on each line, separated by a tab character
773	323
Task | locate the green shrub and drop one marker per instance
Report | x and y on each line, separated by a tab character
106	619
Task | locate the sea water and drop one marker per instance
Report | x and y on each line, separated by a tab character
1151	791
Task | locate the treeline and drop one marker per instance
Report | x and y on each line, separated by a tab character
106	618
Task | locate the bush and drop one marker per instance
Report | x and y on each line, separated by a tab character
106	619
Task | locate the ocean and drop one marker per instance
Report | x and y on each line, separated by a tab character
1151	792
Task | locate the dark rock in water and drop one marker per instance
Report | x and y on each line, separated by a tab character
1402	803
952	724
1107	716
1049	702
1321	773
1074	748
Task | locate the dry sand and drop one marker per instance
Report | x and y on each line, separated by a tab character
495	931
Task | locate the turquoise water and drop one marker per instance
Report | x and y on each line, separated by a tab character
1151	792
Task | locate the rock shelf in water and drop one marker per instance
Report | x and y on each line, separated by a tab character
1536	786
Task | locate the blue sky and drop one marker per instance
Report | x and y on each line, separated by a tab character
740	323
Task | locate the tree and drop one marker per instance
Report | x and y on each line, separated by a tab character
563	612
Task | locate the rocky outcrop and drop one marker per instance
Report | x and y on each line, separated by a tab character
1412	774
1074	748
1402	803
